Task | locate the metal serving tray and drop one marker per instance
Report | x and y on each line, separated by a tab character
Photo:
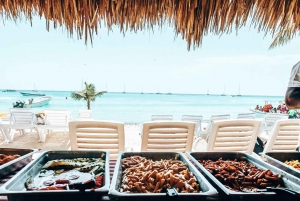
290	182
278	158
24	159
205	186
16	191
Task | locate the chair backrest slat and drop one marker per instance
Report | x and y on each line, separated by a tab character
97	135
270	119
246	116
194	118
219	117
168	135
57	117
5	119
161	117
85	113
284	136
234	135
21	116
216	118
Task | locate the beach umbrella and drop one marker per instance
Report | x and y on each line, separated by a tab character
191	19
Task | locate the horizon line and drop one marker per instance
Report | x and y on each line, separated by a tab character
167	93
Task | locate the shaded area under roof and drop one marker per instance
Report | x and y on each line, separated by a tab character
192	19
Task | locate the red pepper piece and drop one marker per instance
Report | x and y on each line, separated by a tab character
99	181
62	181
55	187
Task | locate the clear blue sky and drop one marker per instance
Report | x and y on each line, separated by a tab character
143	61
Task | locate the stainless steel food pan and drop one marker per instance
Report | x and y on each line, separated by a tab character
290	182
278	158
206	188
24	159
15	189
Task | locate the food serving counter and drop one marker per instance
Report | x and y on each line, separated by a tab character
210	188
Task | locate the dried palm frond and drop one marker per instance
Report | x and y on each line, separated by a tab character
192	19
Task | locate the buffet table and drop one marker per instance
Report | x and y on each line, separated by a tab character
211	188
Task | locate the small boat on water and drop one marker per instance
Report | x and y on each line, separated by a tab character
124	90
223	94
158	91
257	111
267	107
9	90
239	93
35	90
38	102
34	102
31	94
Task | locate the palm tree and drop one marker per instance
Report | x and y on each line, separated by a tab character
87	94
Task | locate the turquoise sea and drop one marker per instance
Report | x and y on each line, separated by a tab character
137	107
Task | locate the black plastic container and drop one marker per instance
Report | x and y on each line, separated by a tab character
24	159
205	186
290	182
278	158
16	191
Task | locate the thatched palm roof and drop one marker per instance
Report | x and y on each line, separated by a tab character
192	19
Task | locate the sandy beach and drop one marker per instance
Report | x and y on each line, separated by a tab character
59	140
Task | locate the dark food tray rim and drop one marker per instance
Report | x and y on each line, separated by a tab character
103	189
32	151
113	192
247	156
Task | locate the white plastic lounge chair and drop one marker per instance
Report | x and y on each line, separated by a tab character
5	119
158	118
219	117
20	119
9	129
246	116
57	117
234	135
161	117
198	121
54	120
97	135
270	120
2	133
21	116
84	115
205	134
284	136
168	136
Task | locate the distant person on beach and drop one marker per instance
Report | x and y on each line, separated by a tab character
283	109
292	95
293	114
279	108
257	107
